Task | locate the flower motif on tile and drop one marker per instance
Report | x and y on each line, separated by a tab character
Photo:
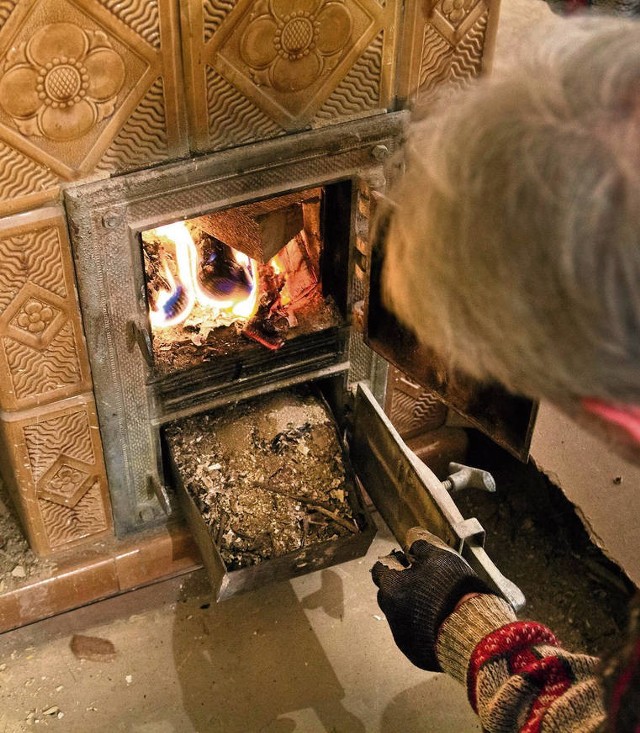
289	43
457	10
35	316
66	480
62	82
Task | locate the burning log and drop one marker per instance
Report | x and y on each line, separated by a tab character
220	274
271	320
263	228
253	332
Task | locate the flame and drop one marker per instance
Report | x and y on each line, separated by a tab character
174	306
278	267
161	316
246	308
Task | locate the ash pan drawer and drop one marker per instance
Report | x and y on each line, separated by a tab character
267	489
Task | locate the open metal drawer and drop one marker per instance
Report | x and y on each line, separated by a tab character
226	583
403	489
268	489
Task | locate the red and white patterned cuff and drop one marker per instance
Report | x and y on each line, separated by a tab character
465	628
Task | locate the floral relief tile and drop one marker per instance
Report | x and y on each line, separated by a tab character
61	82
42	350
259	69
86	88
444	42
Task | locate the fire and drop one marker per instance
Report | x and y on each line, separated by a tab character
278	268
225	285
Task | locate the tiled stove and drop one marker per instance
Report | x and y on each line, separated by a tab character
105	93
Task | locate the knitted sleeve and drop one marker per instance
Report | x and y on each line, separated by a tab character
517	676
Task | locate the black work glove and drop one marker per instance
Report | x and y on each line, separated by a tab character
417	598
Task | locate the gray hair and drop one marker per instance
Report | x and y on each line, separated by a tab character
514	246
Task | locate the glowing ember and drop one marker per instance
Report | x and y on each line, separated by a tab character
222	281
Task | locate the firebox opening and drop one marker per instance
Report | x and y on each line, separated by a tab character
242	279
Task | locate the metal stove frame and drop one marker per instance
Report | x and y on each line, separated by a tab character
106	219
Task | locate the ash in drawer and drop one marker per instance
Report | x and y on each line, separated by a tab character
267	489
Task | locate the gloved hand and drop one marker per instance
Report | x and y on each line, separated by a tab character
417	598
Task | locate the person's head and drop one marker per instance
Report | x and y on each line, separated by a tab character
514	245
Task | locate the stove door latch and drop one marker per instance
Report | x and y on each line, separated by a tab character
140	337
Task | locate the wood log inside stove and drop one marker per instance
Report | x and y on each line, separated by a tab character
220	275
283	292
261	229
302	269
271	321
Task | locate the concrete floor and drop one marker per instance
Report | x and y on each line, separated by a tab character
312	655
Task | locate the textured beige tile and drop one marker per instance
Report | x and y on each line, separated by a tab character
52	463
42	350
255	70
446	41
86	88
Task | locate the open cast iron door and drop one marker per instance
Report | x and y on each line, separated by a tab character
408	494
505	418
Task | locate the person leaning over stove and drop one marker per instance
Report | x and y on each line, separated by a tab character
513	250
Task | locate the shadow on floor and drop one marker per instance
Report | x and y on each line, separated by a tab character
255	659
255	664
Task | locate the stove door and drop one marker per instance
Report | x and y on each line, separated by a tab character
505	418
408	494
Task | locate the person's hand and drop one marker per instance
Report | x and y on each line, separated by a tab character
417	592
